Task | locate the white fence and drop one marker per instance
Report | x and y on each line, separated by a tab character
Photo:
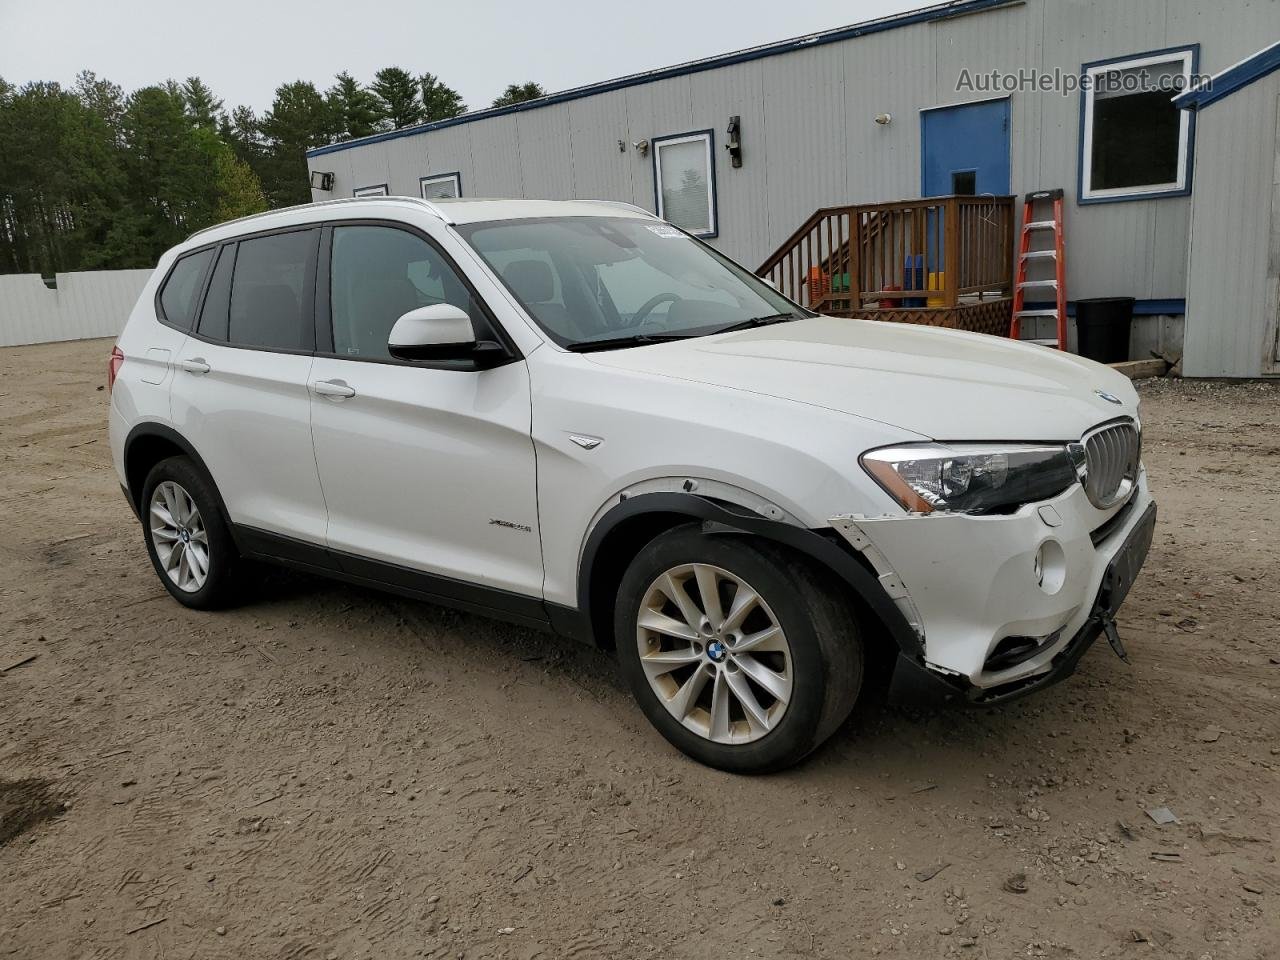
94	303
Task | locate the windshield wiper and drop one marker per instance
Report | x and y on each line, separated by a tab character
759	322
634	340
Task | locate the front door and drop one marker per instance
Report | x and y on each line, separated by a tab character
965	149
425	469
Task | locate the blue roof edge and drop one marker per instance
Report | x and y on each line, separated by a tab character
1265	61
942	11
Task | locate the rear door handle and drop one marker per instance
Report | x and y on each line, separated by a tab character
337	389
195	365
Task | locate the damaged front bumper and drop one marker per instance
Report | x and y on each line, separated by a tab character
1005	605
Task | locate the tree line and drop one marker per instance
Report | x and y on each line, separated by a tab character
92	178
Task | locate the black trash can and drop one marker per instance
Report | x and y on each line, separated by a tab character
1102	328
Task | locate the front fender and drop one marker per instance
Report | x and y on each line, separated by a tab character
720	519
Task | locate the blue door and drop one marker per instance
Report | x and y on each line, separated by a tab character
965	149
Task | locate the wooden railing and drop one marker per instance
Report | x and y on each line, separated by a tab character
938	253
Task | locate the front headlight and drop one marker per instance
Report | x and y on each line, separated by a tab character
971	477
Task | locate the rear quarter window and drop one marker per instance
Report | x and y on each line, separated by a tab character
180	294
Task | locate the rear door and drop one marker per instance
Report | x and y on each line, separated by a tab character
240	391
426	468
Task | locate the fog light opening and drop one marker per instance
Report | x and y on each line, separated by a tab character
1050	567
1012	651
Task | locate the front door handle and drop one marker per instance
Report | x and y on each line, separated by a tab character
336	389
195	365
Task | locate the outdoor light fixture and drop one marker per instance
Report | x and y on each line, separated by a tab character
321	181
642	146
884	119
733	144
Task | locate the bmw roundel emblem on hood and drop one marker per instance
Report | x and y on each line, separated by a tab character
1107	397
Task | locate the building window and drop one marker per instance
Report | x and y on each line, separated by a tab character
1134	143
377	190
440	186
684	176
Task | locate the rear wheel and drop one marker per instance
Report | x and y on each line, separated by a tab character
187	537
742	655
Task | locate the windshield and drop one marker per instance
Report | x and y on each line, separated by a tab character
620	281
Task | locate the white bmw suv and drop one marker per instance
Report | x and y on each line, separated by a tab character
575	416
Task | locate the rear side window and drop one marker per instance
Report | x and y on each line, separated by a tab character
216	312
181	290
271	292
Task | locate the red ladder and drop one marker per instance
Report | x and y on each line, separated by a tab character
1026	256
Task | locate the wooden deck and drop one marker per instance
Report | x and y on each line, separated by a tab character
944	261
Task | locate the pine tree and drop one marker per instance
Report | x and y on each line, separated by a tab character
519	93
397	94
357	109
439	100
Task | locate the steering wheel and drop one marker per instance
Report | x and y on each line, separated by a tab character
647	307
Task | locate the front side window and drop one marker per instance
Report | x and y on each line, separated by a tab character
601	280
440	186
1134	141
271	293
684	177
378	274
182	289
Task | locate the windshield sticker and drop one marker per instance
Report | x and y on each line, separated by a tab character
664	230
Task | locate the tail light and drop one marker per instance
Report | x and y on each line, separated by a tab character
113	367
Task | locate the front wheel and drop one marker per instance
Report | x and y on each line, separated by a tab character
742	655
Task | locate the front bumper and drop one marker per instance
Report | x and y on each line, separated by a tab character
1040	582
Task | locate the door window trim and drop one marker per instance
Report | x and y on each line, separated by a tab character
708	137
309	279
324	305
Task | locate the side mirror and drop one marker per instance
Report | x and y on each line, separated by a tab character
440	332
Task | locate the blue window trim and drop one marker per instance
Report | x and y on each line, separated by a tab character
1262	63
386	191
457	178
1081	199
942	11
711	153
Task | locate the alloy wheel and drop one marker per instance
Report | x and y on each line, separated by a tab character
714	653
179	536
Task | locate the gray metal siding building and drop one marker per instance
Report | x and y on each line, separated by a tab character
809	139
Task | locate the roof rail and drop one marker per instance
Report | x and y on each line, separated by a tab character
634	208
431	208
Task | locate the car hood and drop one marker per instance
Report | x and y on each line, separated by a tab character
942	384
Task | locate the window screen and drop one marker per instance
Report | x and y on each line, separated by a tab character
1137	140
440	187
377	275
684	176
270	299
217	302
178	299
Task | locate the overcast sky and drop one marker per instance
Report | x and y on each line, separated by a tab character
245	48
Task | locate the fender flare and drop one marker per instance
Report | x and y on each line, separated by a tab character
722	519
152	428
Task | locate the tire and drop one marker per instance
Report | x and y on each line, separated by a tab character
174	540
814	665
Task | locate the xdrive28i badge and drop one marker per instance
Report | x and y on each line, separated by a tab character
1107	397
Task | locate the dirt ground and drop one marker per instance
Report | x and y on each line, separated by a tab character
328	772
